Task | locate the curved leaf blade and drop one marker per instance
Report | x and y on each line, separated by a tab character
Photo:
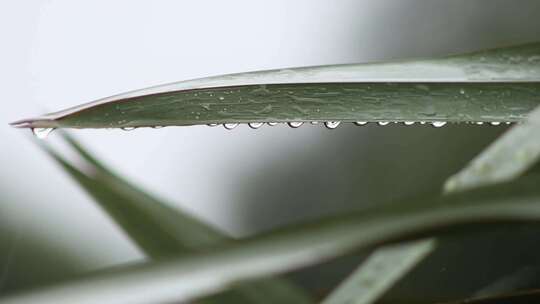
489	86
284	250
510	156
162	231
378	273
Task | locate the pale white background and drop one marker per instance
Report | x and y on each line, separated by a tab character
56	54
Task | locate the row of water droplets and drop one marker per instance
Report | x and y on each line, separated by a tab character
43	133
335	124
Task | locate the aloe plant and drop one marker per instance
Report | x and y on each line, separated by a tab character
493	86
490	86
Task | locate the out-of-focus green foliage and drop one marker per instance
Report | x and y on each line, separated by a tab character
295	247
507	158
162	231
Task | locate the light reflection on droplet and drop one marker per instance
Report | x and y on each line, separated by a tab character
42	133
255	125
295	124
230	126
438	124
332	124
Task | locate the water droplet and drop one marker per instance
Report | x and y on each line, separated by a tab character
213	125
461	91
128	128
230	126
272	124
408	123
508	122
314	122
438	124
360	123
383	123
42	133
332	124
422	122
480	123
221	98
255	125
295	124
495	123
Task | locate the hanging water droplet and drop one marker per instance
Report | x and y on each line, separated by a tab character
221	98
255	125
295	124
314	122
212	124
495	123
128	128
383	123
42	133
438	124
408	123
462	91
479	123
508	122
422	122
272	124
230	126
360	123
332	124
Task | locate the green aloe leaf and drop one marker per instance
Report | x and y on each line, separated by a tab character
508	157
287	249
162	231
500	85
379	272
505	159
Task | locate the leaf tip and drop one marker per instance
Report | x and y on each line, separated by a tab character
23	123
31	123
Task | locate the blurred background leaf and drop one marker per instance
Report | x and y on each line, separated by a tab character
508	157
162	231
289	249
